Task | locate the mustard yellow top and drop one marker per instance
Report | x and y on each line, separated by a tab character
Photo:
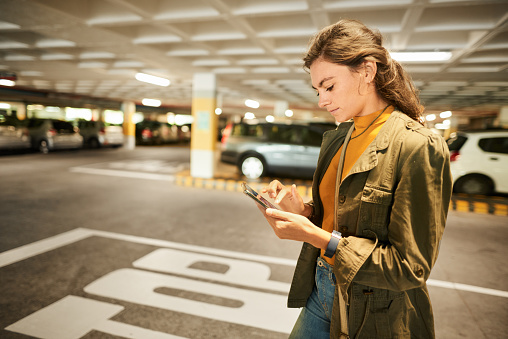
355	148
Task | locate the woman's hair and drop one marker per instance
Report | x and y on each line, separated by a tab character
350	43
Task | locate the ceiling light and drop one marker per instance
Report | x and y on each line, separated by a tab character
445	114
152	79
270	118
4	105
430	117
249	116
288	113
218	111
251	103
151	102
421	56
5	82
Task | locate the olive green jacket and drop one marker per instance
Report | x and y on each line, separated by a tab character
391	210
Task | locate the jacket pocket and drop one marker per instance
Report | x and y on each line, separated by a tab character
380	314
375	211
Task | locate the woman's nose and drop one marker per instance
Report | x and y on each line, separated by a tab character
324	101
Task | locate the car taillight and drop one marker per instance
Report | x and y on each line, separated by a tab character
226	133
51	132
454	155
146	133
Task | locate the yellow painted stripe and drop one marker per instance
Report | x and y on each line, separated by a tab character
481	207
500	209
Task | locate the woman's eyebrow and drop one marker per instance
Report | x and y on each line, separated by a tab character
322	81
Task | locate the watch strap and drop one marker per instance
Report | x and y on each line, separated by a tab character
332	244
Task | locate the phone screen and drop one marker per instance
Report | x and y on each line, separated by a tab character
249	191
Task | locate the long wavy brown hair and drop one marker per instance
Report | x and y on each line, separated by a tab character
350	43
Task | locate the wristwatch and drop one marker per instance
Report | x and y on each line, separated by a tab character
332	244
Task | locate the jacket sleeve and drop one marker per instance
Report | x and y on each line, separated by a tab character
417	214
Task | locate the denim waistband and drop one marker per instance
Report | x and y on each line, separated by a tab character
324	264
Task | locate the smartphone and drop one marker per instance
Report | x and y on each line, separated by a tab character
249	191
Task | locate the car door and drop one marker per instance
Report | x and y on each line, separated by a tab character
64	137
496	160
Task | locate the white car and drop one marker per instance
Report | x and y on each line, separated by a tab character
479	161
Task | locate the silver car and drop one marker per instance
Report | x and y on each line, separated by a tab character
99	134
51	134
13	135
269	148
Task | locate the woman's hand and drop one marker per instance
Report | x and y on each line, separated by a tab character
291	226
287	198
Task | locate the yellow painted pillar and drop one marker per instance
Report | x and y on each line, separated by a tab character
204	127
129	128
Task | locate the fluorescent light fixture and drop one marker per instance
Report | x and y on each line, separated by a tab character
445	114
249	116
421	56
441	126
430	117
270	118
5	82
447	122
151	102
218	111
152	79
4	105
251	103
288	113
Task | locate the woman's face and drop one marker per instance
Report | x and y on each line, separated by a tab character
341	91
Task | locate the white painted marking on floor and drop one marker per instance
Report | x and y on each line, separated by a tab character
73	317
124	174
42	246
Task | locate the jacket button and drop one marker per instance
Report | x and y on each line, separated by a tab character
419	272
343	229
342	199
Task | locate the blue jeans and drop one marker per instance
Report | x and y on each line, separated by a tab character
314	320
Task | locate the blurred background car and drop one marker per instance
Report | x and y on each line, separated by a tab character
99	134
155	133
51	134
479	161
271	148
13	134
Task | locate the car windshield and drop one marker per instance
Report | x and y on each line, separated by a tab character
455	143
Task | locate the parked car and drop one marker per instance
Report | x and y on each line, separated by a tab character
155	133
479	161
51	134
13	134
269	148
98	134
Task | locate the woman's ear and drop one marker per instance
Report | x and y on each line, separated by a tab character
370	68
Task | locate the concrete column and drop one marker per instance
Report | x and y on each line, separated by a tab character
129	129
503	117
204	127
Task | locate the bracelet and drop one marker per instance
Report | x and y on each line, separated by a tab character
332	244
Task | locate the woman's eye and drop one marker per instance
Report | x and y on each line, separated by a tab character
329	88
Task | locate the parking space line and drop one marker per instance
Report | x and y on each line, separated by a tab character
125	174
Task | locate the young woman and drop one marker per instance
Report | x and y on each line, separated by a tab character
381	193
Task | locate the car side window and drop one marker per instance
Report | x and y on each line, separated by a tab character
284	134
311	137
494	145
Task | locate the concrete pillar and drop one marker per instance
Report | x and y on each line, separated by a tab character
503	117
129	129
204	127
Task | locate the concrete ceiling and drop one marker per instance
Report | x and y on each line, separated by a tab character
93	48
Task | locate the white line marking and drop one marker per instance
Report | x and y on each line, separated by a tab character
46	245
125	174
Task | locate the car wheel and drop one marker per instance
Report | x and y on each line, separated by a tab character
475	184
252	167
43	146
